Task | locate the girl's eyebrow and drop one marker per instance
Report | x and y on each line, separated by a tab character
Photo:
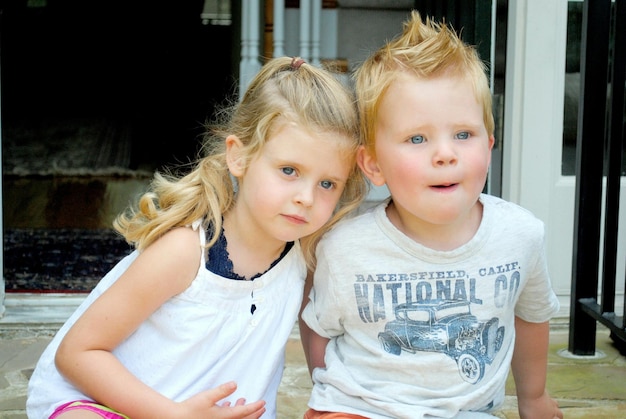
337	180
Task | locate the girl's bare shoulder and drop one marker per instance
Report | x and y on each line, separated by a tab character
173	259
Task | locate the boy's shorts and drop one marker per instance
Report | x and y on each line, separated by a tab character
103	411
314	414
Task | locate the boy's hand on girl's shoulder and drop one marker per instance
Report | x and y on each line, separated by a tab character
207	405
544	407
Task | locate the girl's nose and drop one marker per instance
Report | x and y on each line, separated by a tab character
304	196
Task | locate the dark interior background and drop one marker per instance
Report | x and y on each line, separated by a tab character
152	66
144	75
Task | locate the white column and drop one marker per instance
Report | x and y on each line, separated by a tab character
279	28
305	29
250	64
316	21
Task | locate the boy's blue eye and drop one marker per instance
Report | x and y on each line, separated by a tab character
327	184
464	135
417	139
288	170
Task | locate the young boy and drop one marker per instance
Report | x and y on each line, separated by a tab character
420	305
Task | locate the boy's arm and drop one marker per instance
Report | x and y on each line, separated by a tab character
313	344
529	366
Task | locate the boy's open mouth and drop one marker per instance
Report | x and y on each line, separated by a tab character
449	185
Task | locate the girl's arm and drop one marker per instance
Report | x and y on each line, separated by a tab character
529	366
162	270
313	344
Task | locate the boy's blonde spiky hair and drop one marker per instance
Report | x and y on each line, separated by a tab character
427	49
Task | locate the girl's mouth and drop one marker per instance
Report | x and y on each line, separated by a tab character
296	219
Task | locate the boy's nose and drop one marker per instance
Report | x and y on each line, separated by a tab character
444	154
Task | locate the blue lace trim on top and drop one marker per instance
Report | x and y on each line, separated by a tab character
219	262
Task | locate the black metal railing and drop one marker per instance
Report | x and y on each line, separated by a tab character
599	157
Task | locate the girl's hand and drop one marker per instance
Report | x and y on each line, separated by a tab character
206	405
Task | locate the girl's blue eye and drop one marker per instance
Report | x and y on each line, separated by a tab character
463	135
327	184
288	170
417	139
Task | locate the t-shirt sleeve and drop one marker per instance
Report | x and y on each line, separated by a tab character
538	302
320	312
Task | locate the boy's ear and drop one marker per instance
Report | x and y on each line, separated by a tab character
492	141
369	166
234	158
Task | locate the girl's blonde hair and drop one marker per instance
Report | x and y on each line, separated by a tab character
427	50
283	90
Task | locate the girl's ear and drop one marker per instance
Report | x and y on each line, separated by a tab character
369	166
234	156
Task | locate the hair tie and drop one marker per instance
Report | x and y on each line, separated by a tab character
296	62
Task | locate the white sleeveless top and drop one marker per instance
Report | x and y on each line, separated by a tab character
197	340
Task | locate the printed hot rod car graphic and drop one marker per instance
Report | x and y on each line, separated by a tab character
445	326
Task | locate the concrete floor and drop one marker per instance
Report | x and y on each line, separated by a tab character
592	387
586	387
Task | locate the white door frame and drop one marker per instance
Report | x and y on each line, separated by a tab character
533	129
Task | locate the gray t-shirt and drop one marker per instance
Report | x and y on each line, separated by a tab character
417	332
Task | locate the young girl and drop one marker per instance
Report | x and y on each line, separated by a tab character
193	323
